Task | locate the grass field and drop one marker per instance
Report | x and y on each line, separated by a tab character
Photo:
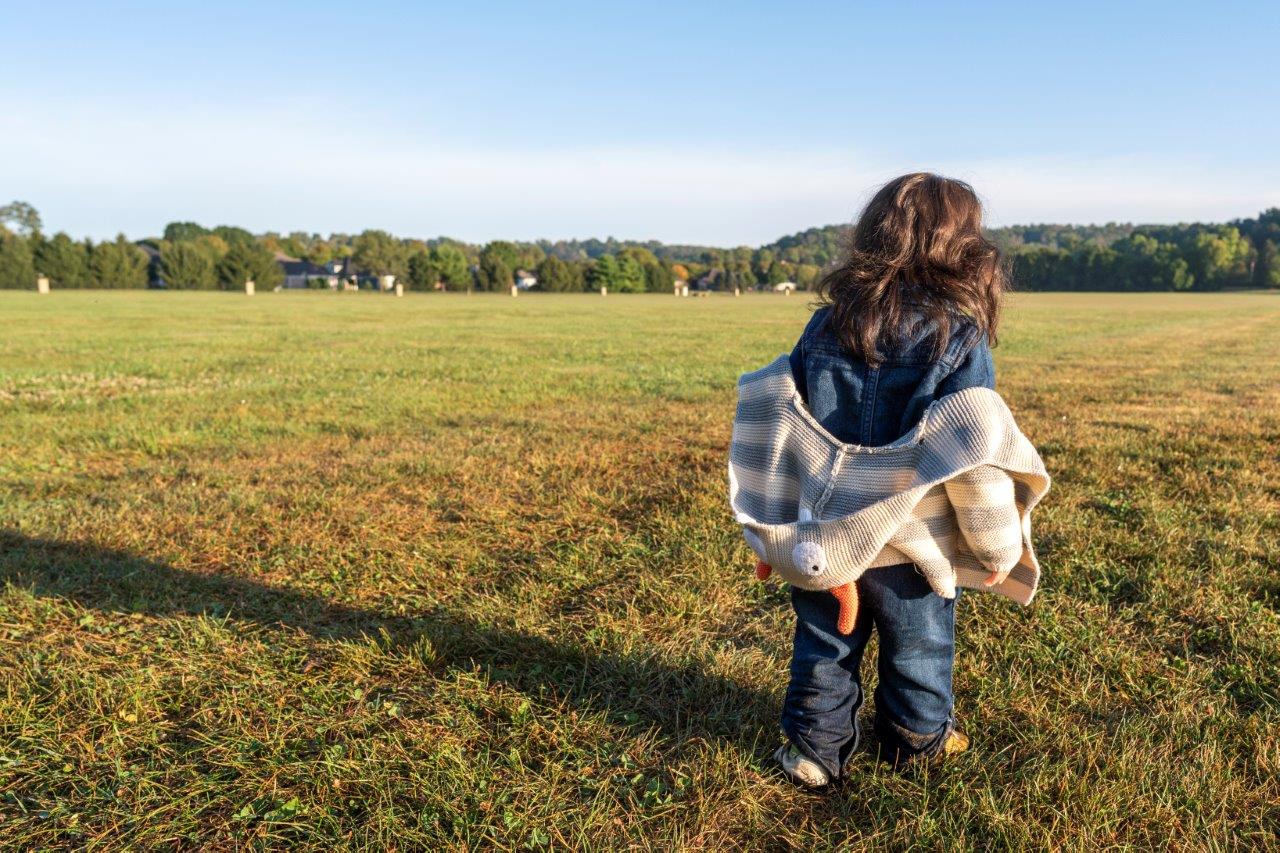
446	571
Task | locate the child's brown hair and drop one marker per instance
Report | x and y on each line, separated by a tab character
918	242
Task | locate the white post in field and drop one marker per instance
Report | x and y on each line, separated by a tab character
675	289
737	291
684	290
399	289
42	284
249	287
604	291
515	291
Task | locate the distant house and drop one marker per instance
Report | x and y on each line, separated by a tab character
299	273
525	279
784	287
337	273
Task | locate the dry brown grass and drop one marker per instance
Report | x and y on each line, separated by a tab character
458	572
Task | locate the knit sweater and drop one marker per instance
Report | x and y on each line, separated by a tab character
954	495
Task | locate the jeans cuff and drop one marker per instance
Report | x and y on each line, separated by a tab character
898	744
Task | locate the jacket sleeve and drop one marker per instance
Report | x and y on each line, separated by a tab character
987	515
974	370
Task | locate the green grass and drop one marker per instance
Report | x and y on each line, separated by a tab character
450	571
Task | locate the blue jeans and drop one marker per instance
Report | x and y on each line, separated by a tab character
914	714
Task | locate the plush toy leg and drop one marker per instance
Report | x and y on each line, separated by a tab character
763	570
847	595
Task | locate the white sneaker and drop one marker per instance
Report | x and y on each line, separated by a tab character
802	770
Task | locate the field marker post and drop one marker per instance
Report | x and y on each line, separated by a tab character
737	291
399	289
604	291
42	284
684	290
515	291
249	287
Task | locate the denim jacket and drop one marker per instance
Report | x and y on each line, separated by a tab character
871	406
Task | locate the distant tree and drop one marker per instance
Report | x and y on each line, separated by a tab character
379	253
231	235
777	272
1220	258
64	261
118	264
1144	263
422	274
763	262
186	266
21	216
640	255
494	273
557	276
658	278
1267	270
806	276
605	273
17	270
505	251
680	271
451	265
738	269
631	278
248	261
529	256
181	232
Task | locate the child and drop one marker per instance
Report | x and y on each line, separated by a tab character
908	319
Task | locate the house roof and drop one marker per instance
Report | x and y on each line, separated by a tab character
301	268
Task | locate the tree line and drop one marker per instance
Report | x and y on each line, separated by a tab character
1111	257
1123	257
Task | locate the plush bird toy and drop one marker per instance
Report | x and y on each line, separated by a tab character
846	594
810	558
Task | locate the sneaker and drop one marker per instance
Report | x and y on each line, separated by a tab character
799	768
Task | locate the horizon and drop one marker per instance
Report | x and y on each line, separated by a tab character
714	126
159	235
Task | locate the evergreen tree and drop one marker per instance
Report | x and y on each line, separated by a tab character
605	273
17	269
630	276
185	266
118	264
422	273
494	273
557	276
248	261
659	278
64	261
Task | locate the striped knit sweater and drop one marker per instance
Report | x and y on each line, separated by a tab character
954	495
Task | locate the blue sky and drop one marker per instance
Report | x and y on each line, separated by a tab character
716	123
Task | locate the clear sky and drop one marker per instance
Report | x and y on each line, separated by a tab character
721	123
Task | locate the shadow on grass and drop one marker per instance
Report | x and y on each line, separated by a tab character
630	688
